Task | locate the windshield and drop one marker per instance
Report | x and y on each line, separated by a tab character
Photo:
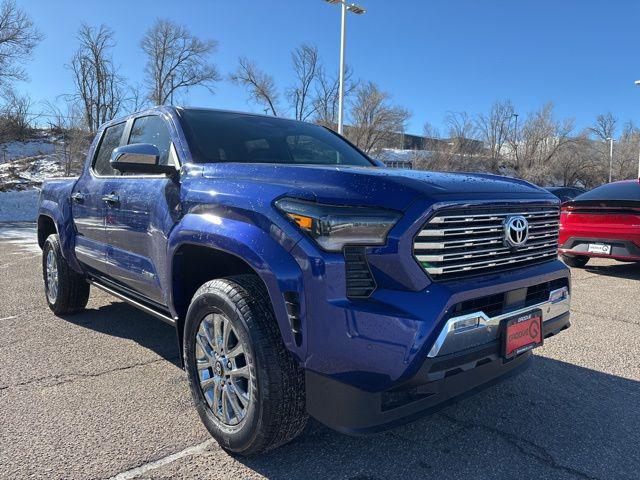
216	136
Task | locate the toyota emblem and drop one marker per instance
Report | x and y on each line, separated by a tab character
516	231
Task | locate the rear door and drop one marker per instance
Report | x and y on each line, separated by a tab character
88	207
141	213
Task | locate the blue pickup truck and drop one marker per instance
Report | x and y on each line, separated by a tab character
301	276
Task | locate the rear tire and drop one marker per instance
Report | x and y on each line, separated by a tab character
577	261
230	328
66	291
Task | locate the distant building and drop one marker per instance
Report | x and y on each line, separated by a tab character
401	149
398	163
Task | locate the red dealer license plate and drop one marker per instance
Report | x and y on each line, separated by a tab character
521	333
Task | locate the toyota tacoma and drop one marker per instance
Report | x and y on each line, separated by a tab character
302	277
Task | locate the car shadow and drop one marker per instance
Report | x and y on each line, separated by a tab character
619	270
556	420
119	319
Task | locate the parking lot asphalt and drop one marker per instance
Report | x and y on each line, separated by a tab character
100	395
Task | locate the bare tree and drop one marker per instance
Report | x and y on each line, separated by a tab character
375	119
460	125
260	86
18	38
67	122
99	88
578	164
306	67
603	130
137	100
605	126
494	130
430	131
15	116
176	60
461	151
538	141
325	99
625	159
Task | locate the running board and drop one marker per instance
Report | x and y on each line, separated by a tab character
134	303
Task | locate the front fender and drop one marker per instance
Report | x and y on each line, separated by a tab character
267	253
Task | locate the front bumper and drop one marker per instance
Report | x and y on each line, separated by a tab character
477	328
440	381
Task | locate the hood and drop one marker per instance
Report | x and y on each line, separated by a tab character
389	187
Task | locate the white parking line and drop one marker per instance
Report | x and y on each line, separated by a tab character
136	472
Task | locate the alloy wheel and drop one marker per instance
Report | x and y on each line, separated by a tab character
223	369
52	277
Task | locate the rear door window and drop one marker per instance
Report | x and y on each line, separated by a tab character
110	140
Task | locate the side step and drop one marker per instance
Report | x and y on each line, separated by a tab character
162	316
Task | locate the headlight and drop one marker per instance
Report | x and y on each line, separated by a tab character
333	227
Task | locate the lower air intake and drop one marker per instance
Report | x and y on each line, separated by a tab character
360	282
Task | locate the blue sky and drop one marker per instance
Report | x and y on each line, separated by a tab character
433	56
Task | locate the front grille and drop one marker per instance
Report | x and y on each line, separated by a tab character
500	303
540	293
463	242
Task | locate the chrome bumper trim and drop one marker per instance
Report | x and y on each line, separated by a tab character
477	328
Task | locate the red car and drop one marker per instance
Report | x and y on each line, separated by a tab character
604	222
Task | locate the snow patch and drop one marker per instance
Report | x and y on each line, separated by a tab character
31	148
19	206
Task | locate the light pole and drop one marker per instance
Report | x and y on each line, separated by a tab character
515	135
637	82
351	7
171	87
610	139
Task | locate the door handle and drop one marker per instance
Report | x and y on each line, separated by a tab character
78	197
112	198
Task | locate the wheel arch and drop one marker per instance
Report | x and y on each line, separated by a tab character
206	252
46	226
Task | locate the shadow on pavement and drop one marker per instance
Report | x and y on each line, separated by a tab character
620	270
556	420
121	320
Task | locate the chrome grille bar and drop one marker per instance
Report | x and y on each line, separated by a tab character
460	242
460	218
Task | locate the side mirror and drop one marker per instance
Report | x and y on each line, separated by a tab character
139	158
379	163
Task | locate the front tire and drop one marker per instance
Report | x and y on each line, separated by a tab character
577	261
247	387
66	291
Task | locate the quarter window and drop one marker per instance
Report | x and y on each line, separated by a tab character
110	140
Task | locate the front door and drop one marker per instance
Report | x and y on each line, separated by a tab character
141	210
88	206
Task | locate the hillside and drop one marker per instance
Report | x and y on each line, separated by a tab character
23	167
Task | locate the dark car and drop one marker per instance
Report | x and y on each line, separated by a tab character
566	193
